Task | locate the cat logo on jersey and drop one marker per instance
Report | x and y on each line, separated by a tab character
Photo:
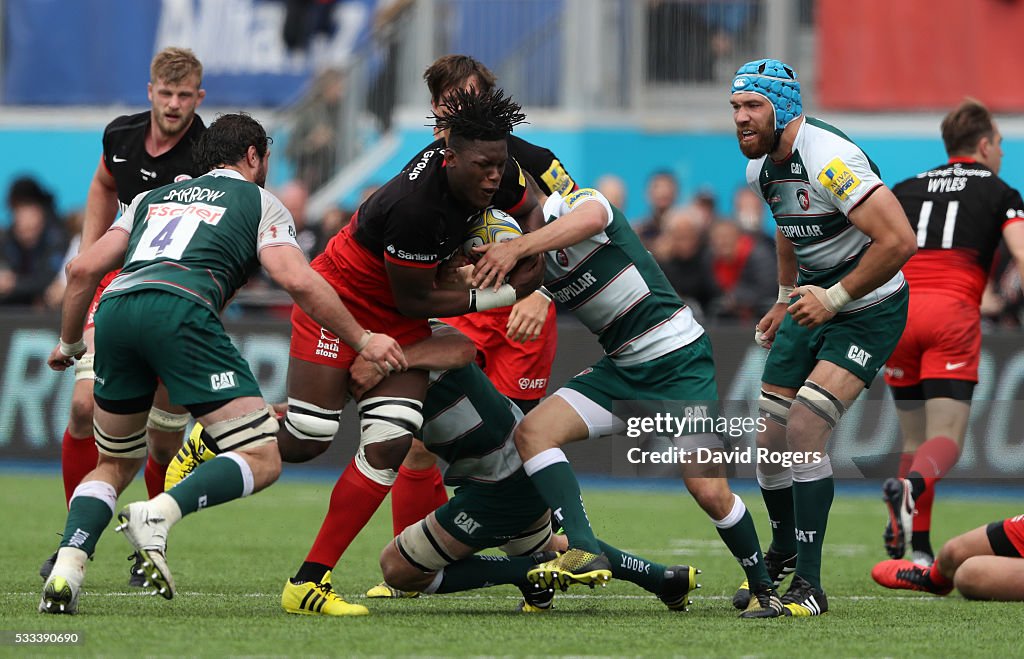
803	198
838	178
557	179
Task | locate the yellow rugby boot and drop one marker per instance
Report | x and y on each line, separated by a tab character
313	599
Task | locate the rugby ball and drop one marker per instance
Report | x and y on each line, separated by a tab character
489	226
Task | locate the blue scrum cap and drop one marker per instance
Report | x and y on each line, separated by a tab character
775	81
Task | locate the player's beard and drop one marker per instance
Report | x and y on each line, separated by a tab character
762	145
175	129
260	176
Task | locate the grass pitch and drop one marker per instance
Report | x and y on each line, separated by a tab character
230	563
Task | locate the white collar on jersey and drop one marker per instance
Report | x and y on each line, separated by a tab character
224	171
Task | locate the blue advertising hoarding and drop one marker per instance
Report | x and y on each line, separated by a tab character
97	52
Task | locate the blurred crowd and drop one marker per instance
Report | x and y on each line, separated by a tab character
722	264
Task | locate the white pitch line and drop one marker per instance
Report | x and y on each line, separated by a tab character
454	596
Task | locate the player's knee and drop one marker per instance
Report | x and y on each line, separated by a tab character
530	438
81	411
954	554
130	445
388	454
117	470
386	427
162	452
712	495
311	423
815	412
306	431
270	465
256	429
774	407
822	402
971	579
398	572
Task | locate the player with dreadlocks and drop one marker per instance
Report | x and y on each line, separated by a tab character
384	266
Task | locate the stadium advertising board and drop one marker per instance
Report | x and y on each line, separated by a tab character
34	404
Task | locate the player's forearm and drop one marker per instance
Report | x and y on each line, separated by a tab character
316	297
434	303
442	352
100	211
787	260
77	297
570	229
880	263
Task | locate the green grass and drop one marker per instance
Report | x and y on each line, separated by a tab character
230	563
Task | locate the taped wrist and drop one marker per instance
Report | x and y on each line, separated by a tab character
71	349
364	341
784	292
481	299
837	297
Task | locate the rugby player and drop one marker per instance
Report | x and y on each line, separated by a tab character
983	564
185	249
515	345
140	152
384	266
654	352
842	237
470	424
959	210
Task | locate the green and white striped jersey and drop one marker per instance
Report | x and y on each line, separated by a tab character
199	238
469	424
615	287
811	194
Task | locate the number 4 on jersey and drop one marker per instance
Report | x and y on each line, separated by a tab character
165	237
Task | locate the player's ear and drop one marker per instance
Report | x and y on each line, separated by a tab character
200	96
149	91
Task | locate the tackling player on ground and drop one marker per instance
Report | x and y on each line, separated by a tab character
983	564
140	152
959	210
842	237
654	352
470	424
185	249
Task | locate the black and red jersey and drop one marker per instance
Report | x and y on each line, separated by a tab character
958	210
415	220
133	169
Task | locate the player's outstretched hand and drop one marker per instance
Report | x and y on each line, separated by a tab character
496	261
768	326
59	361
527	317
385	353
811	310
